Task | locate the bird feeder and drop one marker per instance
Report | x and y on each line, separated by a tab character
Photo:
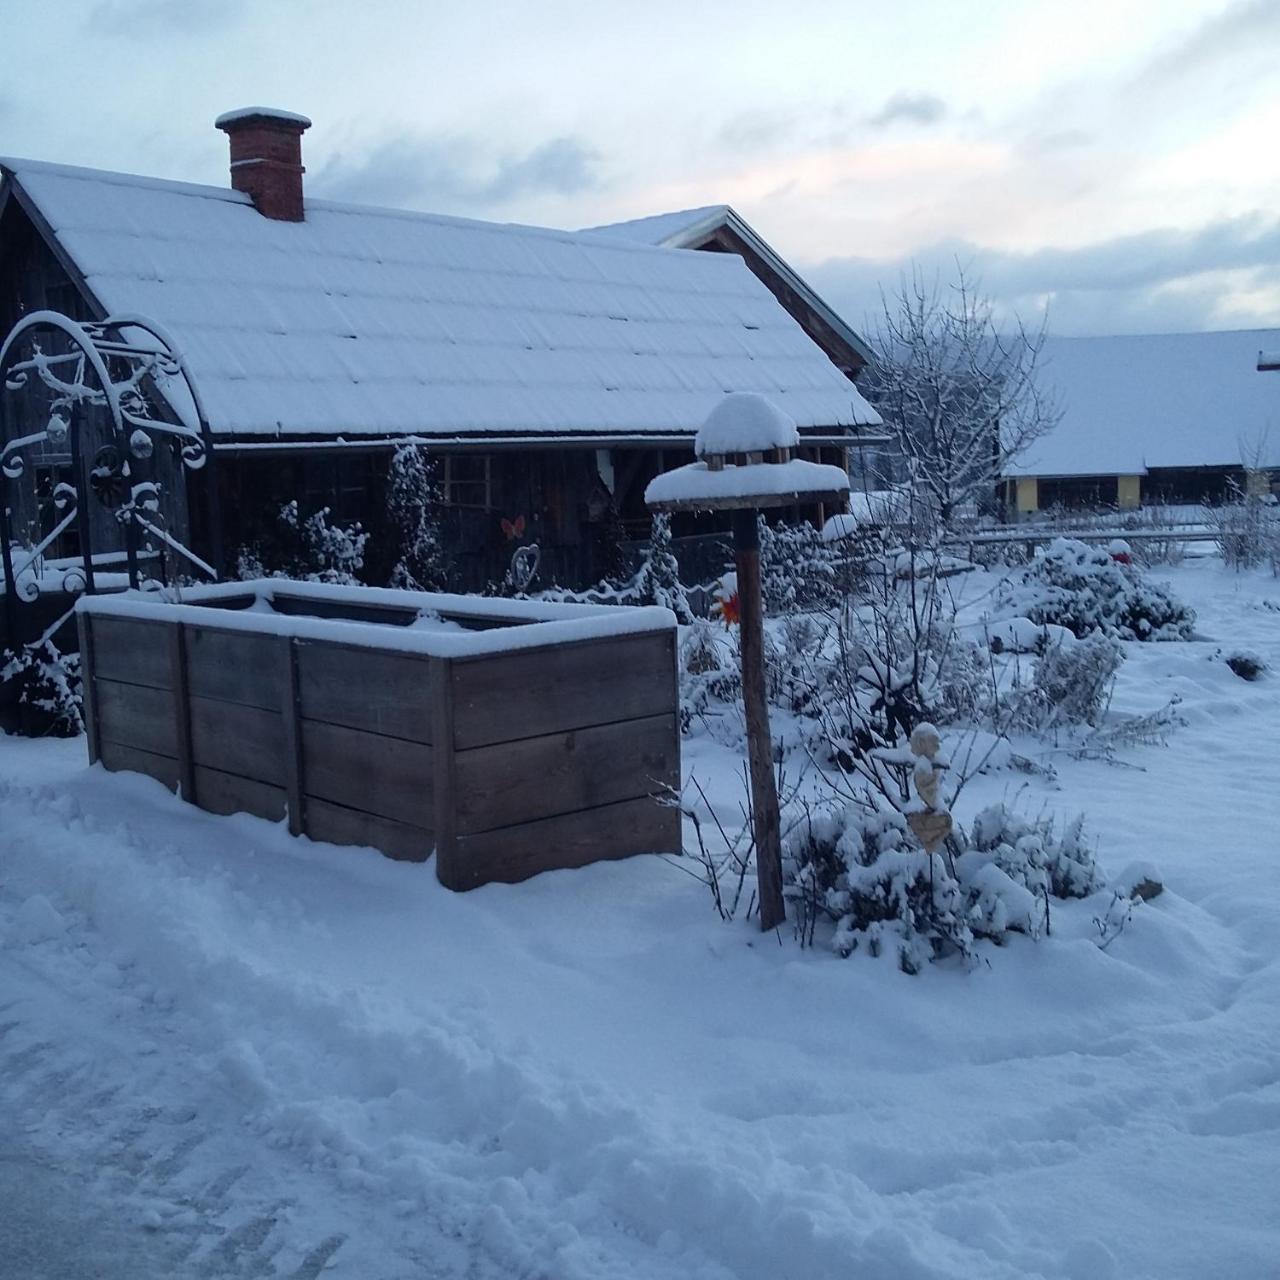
745	465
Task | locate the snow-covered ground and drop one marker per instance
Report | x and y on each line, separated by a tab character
228	1053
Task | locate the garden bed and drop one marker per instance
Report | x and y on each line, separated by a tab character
510	737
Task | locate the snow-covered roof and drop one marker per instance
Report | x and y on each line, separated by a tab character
362	321
674	230
1165	400
694	228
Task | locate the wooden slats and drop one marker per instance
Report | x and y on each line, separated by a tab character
506	764
132	652
339	825
134	715
117	756
234	666
385	693
533	778
530	692
383	776
567	840
242	740
222	792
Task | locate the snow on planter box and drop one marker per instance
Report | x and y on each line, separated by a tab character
510	737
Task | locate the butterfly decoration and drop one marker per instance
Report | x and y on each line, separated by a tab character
726	605
513	529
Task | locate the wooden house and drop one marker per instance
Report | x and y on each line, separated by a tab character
553	373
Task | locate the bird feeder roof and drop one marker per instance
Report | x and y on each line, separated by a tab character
745	422
697	487
744	462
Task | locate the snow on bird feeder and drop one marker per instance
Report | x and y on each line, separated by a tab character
745	464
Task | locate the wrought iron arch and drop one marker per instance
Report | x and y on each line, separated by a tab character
128	366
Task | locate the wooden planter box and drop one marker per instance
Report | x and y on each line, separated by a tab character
509	737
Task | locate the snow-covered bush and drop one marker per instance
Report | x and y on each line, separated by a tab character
859	869
657	581
709	671
1246	664
306	548
797	569
1247	531
1072	682
48	690
1082	588
413	504
1030	853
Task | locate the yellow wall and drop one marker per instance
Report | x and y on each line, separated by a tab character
1028	497
1129	492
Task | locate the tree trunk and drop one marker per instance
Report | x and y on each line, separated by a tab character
764	794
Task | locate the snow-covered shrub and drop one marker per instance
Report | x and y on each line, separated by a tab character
859	868
1082	588
1247	531
306	548
1030	853
657	581
48	687
797	569
708	671
413	505
1246	664
1072	682
791	678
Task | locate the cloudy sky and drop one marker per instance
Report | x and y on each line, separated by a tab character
1116	160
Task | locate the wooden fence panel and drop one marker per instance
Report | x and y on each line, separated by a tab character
533	778
222	792
567	840
530	692
235	666
340	825
384	693
135	715
382	776
119	757
132	652
242	740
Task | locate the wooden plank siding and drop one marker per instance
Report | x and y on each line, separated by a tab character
531	778
362	688
529	692
503	764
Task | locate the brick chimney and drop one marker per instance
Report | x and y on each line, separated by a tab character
266	158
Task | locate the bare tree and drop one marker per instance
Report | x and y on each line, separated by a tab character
958	390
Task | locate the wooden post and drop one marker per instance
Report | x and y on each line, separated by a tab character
291	716
444	781
89	685
764	793
182	712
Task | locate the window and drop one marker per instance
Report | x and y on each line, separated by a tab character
468	480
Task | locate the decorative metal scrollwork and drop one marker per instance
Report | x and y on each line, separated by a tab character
107	478
126	370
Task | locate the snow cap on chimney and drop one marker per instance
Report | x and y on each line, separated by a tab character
266	158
